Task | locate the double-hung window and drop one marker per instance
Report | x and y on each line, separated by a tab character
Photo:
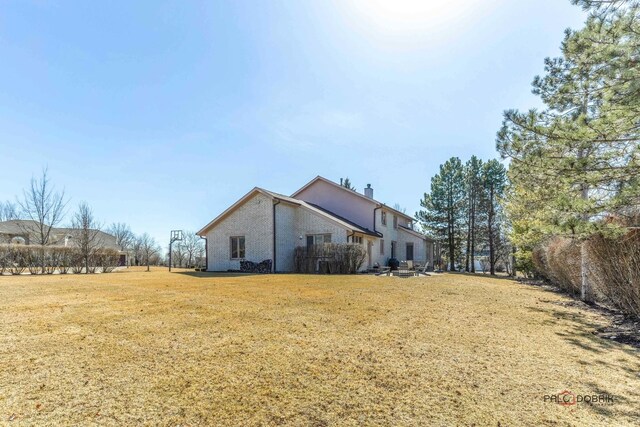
383	217
237	247
318	239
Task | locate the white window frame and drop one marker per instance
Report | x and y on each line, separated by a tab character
324	238
242	252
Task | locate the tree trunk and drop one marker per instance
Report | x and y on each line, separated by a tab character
586	291
492	260
466	265
473	236
452	254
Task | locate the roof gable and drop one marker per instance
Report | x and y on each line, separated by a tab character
351	192
281	198
233	207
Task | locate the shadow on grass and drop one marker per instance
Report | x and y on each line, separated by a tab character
581	332
207	274
485	275
608	410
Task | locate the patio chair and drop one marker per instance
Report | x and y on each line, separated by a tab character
384	270
423	270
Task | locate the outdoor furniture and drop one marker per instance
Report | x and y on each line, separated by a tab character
384	270
404	271
423	270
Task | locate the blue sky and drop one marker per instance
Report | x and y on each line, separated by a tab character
161	114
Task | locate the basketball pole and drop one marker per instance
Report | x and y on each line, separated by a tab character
174	237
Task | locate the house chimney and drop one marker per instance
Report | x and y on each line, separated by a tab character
368	191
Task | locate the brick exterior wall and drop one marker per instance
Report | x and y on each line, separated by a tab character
293	222
421	248
254	220
286	237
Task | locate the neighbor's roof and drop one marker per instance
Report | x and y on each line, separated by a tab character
311	207
354	192
27	226
17	226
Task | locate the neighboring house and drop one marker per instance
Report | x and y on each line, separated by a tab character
25	232
264	225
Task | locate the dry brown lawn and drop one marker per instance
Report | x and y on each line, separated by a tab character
137	348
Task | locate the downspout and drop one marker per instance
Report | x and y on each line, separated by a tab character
206	253
276	203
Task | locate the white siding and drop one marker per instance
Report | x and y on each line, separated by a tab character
254	220
286	238
308	222
293	224
340	201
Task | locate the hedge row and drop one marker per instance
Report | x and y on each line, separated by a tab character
18	259
329	258
613	267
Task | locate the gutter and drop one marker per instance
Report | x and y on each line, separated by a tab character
275	203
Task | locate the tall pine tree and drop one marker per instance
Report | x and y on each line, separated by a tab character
443	213
578	160
474	193
494	182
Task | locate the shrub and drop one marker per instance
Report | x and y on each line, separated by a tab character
64	259
614	270
329	258
108	259
559	261
612	267
34	257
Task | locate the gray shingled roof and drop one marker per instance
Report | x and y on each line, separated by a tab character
23	227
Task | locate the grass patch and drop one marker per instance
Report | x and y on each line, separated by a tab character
198	349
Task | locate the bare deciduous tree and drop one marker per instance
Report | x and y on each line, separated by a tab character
148	248
86	234
44	206
200	256
192	246
177	257
122	233
8	211
399	208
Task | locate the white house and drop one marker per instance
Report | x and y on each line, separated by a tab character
264	225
